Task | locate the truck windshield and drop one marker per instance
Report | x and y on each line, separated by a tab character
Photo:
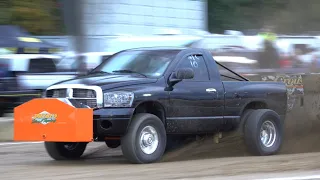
150	63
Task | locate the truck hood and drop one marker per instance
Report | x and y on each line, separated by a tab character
109	81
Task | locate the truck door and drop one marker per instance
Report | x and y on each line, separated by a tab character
195	105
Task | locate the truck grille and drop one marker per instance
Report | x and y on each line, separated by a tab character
57	93
84	93
85	96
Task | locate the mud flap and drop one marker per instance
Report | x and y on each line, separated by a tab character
50	119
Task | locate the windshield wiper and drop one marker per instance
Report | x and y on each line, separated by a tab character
98	72
129	71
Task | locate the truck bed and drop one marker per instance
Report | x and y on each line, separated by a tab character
239	93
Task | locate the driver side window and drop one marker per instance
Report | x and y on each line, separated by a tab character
197	63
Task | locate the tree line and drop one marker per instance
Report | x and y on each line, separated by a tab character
284	16
39	17
44	17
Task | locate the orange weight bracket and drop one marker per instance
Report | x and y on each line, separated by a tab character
50	119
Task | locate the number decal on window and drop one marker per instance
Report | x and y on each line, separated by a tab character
193	61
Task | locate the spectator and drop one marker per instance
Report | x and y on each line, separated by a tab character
269	57
297	61
79	64
285	61
82	66
315	64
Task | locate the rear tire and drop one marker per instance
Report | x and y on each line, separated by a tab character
65	151
244	118
145	141
263	132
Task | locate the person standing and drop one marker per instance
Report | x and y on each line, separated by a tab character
269	57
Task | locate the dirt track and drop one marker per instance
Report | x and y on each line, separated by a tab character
203	159
31	162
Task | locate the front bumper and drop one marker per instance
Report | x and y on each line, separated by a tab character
67	120
111	121
53	120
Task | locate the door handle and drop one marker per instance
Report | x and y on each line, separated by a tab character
211	90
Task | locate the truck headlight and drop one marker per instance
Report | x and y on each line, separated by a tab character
118	99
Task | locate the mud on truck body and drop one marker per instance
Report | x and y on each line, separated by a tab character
143	98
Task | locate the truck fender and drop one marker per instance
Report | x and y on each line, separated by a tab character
252	104
151	106
248	108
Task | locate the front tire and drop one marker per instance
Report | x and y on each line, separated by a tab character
65	151
145	141
263	132
113	143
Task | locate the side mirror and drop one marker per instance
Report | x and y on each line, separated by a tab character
184	73
179	75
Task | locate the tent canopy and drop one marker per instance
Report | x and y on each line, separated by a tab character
20	41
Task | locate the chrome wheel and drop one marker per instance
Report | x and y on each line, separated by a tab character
268	133
149	140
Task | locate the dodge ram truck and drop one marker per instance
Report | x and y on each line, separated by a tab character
141	98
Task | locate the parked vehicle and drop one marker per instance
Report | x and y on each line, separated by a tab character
236	58
26	76
92	59
141	98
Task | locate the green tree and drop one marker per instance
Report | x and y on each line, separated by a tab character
39	17
4	12
286	16
298	17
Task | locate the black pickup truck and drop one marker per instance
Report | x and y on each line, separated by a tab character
141	98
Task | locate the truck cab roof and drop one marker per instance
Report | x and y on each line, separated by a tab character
158	48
